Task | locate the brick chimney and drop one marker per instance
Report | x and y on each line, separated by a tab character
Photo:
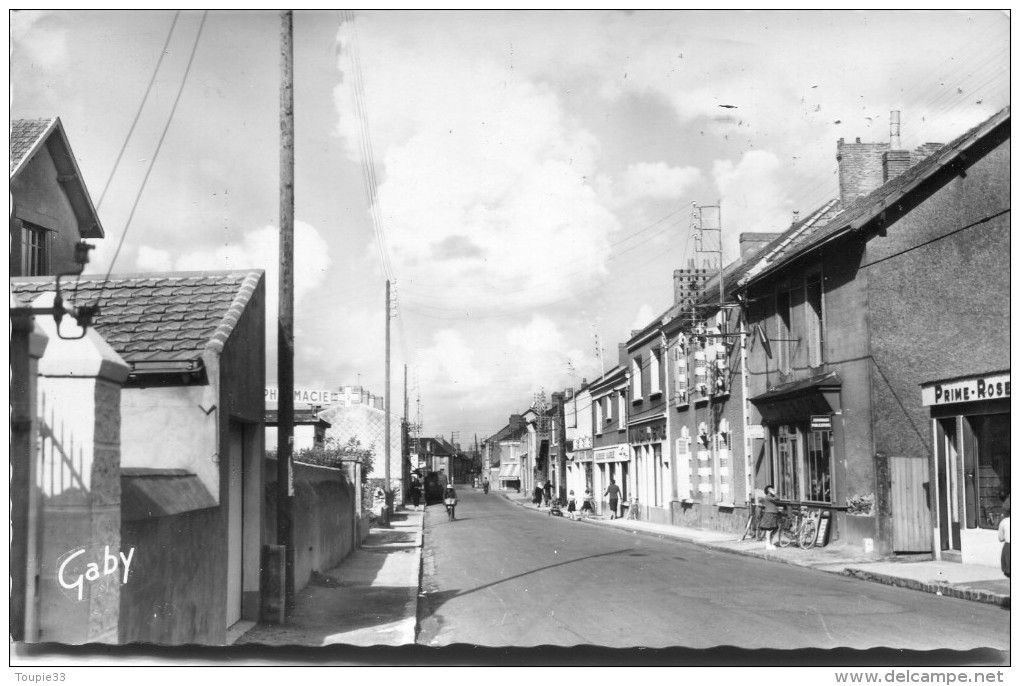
861	169
621	351
751	243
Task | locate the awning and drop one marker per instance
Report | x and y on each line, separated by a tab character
509	472
149	493
799	400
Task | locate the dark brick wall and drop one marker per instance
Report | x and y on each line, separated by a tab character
940	310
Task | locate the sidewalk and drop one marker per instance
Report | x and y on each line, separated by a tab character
969	582
370	599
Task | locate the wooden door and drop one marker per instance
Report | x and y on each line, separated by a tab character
910	509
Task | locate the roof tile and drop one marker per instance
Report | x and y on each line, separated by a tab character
134	310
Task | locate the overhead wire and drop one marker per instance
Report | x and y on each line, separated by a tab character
141	105
155	154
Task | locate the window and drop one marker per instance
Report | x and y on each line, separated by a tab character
35	250
783	329
609	407
990	446
623	410
635	377
813	315
653	363
787	458
597	406
819	466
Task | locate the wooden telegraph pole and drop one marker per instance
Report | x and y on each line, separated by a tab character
285	331
386	401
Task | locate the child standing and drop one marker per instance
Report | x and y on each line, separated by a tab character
770	518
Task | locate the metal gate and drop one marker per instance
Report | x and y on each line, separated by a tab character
911	514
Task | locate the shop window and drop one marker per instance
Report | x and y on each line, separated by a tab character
787	463
819	466
990	481
813	313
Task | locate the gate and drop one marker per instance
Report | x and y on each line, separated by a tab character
911	515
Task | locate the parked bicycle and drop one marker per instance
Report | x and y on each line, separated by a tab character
799	528
752	528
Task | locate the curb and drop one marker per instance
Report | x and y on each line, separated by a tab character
941	588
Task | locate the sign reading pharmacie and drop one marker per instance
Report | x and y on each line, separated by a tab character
974	389
305	395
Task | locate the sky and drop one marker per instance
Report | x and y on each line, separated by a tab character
525	179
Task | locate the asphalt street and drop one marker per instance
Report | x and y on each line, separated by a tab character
501	575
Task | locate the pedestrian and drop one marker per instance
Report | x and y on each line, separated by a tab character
1004	537
415	493
450	499
572	505
588	504
536	495
547	494
770	517
485	486
613	492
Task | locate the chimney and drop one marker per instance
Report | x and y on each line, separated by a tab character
751	243
621	351
861	169
895	161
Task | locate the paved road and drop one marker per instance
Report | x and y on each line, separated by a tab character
501	575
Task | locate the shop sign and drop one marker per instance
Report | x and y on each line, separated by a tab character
966	391
756	431
617	454
305	395
821	422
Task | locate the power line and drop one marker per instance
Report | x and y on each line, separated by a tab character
141	105
159	146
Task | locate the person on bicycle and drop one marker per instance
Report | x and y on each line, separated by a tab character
770	517
450	498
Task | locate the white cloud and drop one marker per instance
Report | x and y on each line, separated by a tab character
657	180
752	195
644	317
44	45
472	177
153	260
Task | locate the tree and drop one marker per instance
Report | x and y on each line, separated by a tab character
335	454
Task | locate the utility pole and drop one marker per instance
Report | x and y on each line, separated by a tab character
285	331
386	400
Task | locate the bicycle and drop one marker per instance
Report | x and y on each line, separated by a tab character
752	528
799	528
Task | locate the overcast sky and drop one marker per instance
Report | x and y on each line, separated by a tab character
532	173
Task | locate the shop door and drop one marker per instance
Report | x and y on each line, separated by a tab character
910	511
947	464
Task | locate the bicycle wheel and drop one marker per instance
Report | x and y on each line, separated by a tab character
785	534
749	528
808	532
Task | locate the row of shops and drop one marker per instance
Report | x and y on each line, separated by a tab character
856	361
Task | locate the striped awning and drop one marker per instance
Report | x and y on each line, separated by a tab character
509	472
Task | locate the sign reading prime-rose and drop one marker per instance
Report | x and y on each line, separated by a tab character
971	390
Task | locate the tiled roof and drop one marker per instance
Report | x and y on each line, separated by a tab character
26	134
160	317
864	209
